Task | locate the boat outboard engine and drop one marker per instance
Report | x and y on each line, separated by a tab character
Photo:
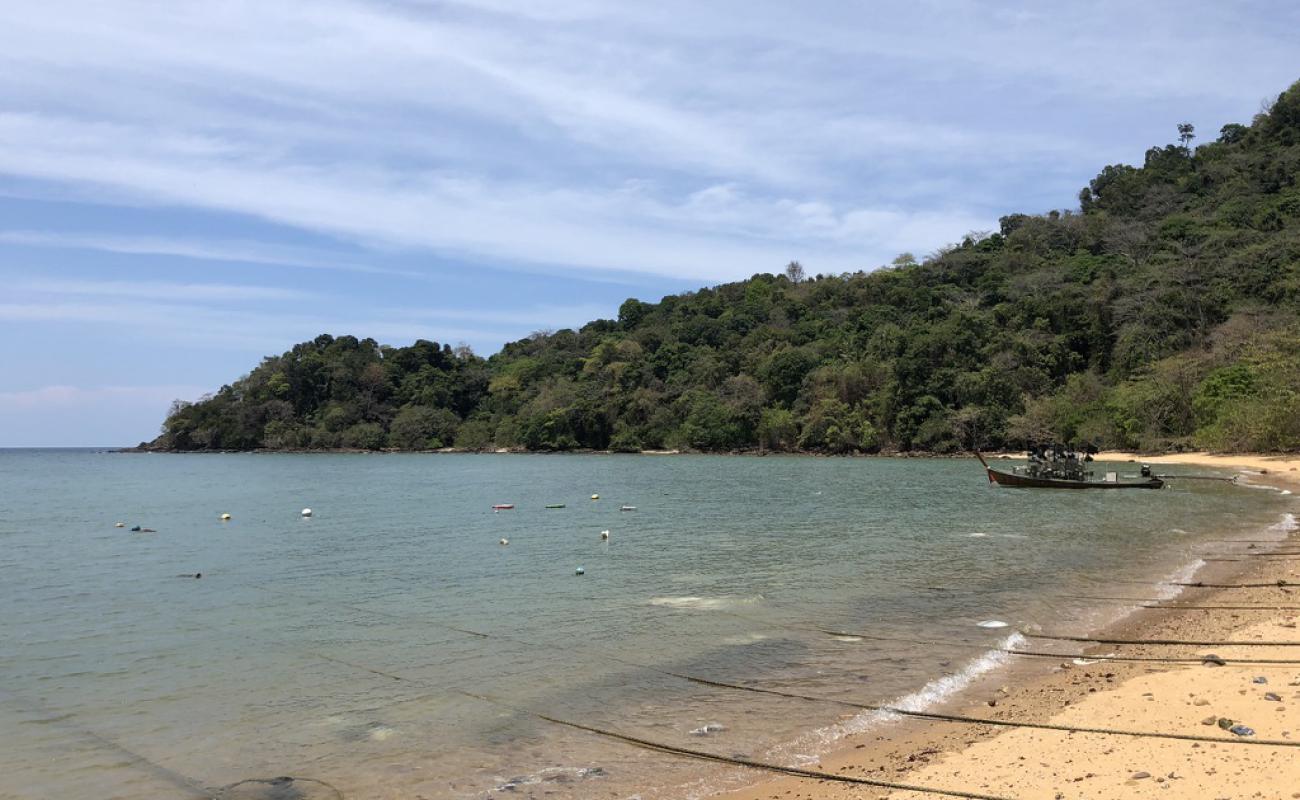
1146	470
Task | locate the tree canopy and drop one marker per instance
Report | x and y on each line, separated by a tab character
1161	314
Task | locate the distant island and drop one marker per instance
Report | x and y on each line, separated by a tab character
1163	314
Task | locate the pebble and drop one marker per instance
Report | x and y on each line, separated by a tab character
1212	660
1259	679
1137	776
1209	720
1272	696
1242	730
1200	701
1225	723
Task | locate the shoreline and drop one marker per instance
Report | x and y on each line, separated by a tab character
1275	464
1141	696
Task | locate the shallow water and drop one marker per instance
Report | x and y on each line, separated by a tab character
339	648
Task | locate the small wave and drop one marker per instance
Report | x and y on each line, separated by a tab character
928	696
977	535
1268	487
745	638
704	603
992	623
1287	524
1164	591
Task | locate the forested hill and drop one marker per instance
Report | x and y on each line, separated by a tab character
1161	314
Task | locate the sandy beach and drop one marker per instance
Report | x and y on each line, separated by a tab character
1192	698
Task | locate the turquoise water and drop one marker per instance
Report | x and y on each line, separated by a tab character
327	648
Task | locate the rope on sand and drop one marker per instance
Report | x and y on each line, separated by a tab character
704	755
1002	723
1175	642
1060	656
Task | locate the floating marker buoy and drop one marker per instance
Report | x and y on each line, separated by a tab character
628	508
225	517
579	571
135	529
505	541
119	524
503	506
306	512
595	497
555	505
604	534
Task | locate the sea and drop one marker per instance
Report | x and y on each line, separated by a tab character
408	640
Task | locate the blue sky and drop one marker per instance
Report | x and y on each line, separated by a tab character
186	187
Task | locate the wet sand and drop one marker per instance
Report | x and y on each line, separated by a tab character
1155	697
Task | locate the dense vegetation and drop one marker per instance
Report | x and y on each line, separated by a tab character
1162	314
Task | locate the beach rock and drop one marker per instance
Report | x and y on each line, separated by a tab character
1225	723
1259	679
1209	720
1212	660
1137	776
1272	696
1200	701
1242	730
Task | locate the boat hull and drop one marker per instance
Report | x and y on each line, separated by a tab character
1024	481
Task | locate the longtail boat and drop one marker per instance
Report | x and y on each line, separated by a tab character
1063	470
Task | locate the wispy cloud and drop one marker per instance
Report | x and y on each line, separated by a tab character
213	249
161	290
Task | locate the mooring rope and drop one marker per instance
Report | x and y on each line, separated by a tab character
704	755
935	716
926	715
137	760
1221	608
193	786
1174	642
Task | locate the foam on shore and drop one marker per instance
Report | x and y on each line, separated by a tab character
810	747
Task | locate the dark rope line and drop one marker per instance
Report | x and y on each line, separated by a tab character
1174	642
362	667
1221	608
704	755
933	716
1278	584
137	760
1083	656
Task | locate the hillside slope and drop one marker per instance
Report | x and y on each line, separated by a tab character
1162	314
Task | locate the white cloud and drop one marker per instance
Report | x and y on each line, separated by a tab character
248	252
163	290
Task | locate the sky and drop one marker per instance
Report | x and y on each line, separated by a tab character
186	187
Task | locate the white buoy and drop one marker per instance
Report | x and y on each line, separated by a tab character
505	541
306	512
119	524
595	497
604	535
225	517
579	571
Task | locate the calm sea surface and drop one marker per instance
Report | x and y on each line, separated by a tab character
342	648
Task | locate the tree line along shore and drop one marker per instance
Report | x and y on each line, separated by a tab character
1162	314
